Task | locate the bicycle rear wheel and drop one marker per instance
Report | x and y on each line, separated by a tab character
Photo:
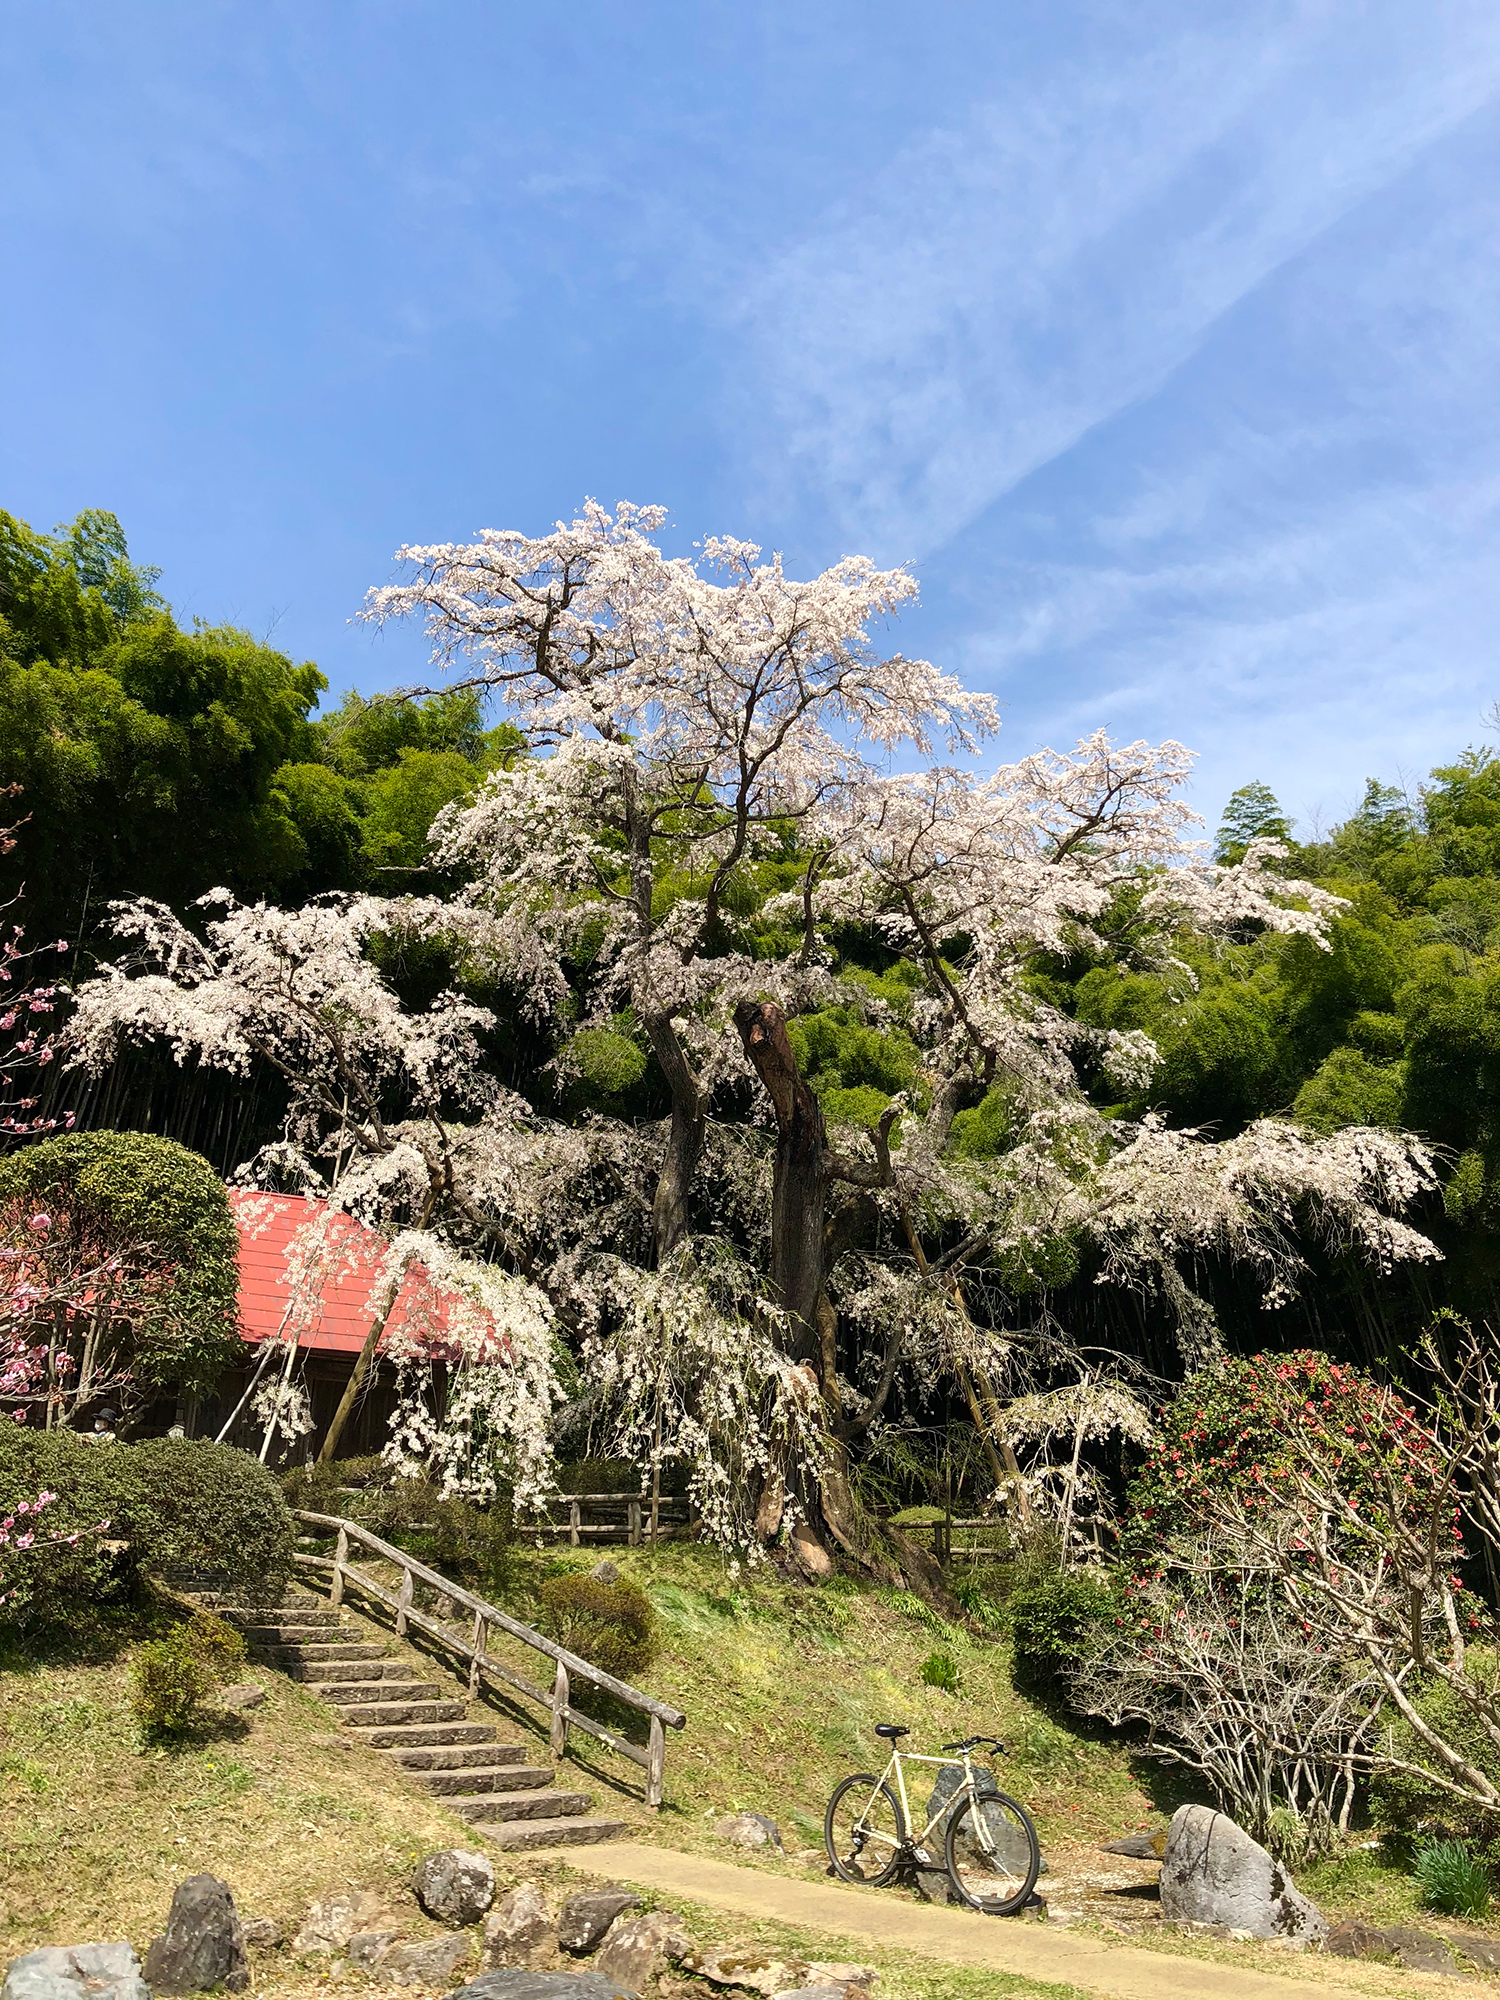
864	1831
992	1853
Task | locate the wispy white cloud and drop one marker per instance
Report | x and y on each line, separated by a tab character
1010	282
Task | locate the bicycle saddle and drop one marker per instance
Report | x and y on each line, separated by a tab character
891	1730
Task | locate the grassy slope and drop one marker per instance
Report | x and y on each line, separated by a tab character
781	1685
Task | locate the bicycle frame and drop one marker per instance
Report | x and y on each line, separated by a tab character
918	1840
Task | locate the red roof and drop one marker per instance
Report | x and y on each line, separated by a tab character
345	1272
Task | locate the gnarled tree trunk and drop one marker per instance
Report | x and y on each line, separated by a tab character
799	1202
669	1206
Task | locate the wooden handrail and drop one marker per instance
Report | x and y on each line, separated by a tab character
487	1618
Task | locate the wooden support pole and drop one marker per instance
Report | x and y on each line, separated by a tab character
575	1516
403	1602
340	1557
656	1767
560	1711
481	1647
633	1524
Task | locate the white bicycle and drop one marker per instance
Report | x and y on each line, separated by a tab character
989	1845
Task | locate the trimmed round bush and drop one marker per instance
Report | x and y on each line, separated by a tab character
611	1625
138	1192
174	1504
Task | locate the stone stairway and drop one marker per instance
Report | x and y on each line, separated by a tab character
420	1726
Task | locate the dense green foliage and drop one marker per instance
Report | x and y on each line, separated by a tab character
171	1678
1050	1618
1452	1880
162	762
144	1197
611	1625
172	1505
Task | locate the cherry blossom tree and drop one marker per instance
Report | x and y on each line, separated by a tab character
695	712
707	801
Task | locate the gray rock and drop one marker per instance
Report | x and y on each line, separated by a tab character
263	1933
517	1924
1138	1846
587	1916
455	1885
1357	1940
747	1967
1010	1842
243	1695
823	1990
1212	1872
637	1948
933	1885
1483	1951
605	1572
514	1984
748	1829
427	1963
202	1945
368	1948
334	1918
1420	1951
76	1972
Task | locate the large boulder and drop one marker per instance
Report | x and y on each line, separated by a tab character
638	1947
455	1885
588	1915
335	1917
429	1962
516	1926
76	1972
1212	1872
203	1944
512	1983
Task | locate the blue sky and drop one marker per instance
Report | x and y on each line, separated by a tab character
1160	338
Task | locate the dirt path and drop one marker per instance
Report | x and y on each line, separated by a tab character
956	1937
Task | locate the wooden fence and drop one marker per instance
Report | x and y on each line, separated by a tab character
489	1619
610	1517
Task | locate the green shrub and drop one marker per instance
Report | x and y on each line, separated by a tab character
1451	1879
1405	1804
938	1671
171	1678
611	1625
1050	1621
471	1544
175	1504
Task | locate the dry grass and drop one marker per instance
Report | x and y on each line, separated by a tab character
96	1828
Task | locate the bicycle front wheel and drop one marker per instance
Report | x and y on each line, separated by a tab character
863	1830
992	1854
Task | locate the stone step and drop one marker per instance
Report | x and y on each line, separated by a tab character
349	1663
520	1805
371	1714
412	1735
289	1635
486	1778
347	1694
458	1756
525	1833
282	1614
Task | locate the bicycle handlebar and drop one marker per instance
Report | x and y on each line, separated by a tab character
970	1742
